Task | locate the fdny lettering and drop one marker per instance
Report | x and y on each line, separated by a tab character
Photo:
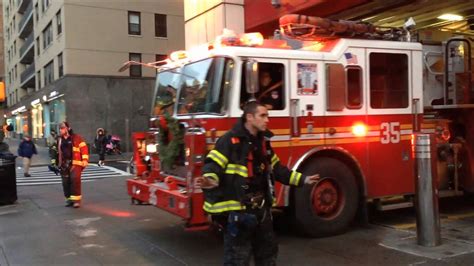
235	140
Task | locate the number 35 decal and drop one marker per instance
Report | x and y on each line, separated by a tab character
390	132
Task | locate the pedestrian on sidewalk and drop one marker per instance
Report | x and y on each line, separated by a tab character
26	150
72	158
100	143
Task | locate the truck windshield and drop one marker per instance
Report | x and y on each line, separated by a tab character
167	83
203	86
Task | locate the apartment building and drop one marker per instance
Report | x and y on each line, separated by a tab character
62	59
2	66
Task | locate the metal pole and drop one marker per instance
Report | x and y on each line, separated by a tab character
127	135
426	194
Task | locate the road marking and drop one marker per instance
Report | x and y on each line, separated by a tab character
42	176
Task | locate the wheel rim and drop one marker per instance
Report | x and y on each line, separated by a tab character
327	198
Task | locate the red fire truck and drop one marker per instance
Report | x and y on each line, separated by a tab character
348	98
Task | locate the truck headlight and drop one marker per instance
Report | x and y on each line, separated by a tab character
151	148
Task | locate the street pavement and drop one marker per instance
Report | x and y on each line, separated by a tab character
40	175
109	230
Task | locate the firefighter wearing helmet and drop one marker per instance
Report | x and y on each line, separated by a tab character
70	160
238	178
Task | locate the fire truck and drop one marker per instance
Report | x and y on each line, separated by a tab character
346	98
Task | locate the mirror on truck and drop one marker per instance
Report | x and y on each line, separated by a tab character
251	76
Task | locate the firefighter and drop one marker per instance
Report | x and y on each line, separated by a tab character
72	158
270	92
238	179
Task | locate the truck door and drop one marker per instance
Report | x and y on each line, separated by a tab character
306	106
345	112
390	113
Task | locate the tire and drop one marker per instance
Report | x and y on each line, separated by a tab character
328	207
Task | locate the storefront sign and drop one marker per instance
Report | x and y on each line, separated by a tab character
35	102
19	110
52	95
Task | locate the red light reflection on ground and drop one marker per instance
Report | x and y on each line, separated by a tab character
110	212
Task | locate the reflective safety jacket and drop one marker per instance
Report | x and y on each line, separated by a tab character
229	164
80	152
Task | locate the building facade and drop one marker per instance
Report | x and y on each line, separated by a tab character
62	60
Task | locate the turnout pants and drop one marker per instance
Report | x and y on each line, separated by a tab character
259	241
72	184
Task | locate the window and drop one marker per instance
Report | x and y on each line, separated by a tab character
47	36
14	47
48	73
134	27
37	11
58	22
38	78
46	4
271	86
160	57
388	80
135	70
38	48
354	87
160	26
60	65
203	86
167	84
14	24
15	71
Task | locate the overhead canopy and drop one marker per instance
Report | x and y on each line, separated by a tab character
261	16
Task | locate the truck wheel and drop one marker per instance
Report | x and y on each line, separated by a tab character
328	207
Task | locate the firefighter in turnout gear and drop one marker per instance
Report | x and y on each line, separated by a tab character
238	179
71	159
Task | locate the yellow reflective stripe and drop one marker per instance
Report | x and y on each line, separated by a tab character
75	149
237	169
76	162
212	175
223	206
75	197
218	157
295	178
274	202
275	159
85	156
82	144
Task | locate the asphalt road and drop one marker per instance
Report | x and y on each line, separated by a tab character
109	230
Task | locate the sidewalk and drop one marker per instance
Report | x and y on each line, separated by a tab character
42	158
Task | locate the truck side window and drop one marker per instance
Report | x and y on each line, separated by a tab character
271	86
203	86
354	87
388	80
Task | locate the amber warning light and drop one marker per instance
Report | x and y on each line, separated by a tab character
360	130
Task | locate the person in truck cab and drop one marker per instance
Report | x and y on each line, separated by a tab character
270	92
238	183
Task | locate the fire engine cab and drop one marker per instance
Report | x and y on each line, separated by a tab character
344	99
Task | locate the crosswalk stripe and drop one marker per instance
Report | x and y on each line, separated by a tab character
42	176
